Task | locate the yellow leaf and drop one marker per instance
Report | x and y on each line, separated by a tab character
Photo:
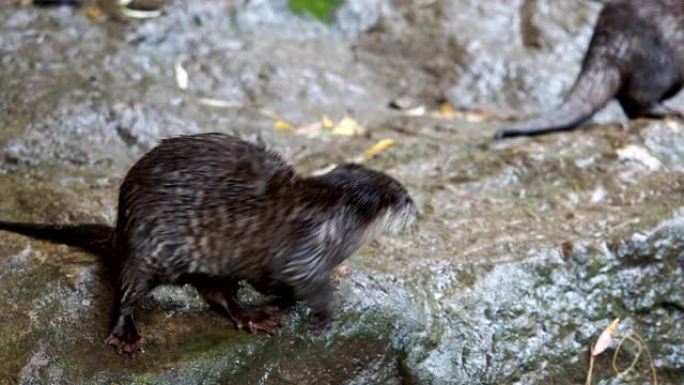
379	147
281	125
375	149
446	110
347	127
326	122
94	13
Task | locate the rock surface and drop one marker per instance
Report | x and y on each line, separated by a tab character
526	249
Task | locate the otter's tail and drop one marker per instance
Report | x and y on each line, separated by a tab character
91	237
49	3
595	86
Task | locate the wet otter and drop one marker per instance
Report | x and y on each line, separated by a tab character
76	3
636	54
210	210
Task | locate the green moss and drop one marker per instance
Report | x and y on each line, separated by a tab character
319	9
17	332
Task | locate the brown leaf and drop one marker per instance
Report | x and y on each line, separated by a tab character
606	338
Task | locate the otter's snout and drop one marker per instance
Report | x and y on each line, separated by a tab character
402	216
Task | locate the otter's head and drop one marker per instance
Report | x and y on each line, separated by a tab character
374	196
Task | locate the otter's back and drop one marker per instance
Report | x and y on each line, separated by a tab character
192	196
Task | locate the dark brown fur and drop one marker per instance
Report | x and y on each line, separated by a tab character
635	55
211	210
48	3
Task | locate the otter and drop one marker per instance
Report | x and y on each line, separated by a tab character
211	210
49	3
636	55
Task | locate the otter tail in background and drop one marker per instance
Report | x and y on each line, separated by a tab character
91	237
596	85
53	3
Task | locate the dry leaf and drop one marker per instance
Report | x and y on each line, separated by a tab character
281	125
474	116
605	339
446	111
347	127
182	78
416	111
375	149
321	128
131	13
219	103
139	14
371	151
310	129
269	114
327	123
94	13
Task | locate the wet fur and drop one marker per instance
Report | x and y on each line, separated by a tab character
49	3
636	55
210	210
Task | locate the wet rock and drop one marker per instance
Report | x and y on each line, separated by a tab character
526	249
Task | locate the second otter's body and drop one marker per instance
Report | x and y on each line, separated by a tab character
635	55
